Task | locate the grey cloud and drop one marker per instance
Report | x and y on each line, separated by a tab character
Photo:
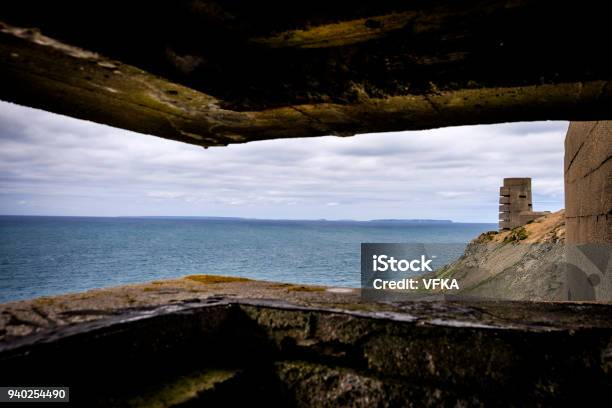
50	164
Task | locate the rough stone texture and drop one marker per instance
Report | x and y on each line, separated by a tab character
45	313
219	72
319	348
588	182
515	204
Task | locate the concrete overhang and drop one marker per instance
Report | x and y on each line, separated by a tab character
219	72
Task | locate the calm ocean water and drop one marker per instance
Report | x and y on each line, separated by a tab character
53	255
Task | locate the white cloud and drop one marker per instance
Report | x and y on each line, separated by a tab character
165	194
452	194
76	167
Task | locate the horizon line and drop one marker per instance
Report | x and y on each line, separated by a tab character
388	220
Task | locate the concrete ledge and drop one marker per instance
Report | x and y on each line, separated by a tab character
290	348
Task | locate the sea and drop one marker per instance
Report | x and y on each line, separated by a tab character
41	256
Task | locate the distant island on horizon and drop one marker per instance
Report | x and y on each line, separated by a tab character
423	221
383	220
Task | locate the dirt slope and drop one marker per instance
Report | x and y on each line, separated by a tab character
522	264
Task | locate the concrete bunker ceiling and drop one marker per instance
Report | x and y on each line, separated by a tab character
220	72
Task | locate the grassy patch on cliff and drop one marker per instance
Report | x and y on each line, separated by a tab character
517	234
486	236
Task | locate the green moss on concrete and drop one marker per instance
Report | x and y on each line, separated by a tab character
212	279
338	33
182	390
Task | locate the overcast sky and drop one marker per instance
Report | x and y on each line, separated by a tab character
55	165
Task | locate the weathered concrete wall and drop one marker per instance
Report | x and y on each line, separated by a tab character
588	182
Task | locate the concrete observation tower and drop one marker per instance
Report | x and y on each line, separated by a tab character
515	205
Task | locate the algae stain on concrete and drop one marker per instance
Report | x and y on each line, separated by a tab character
339	33
183	390
212	279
